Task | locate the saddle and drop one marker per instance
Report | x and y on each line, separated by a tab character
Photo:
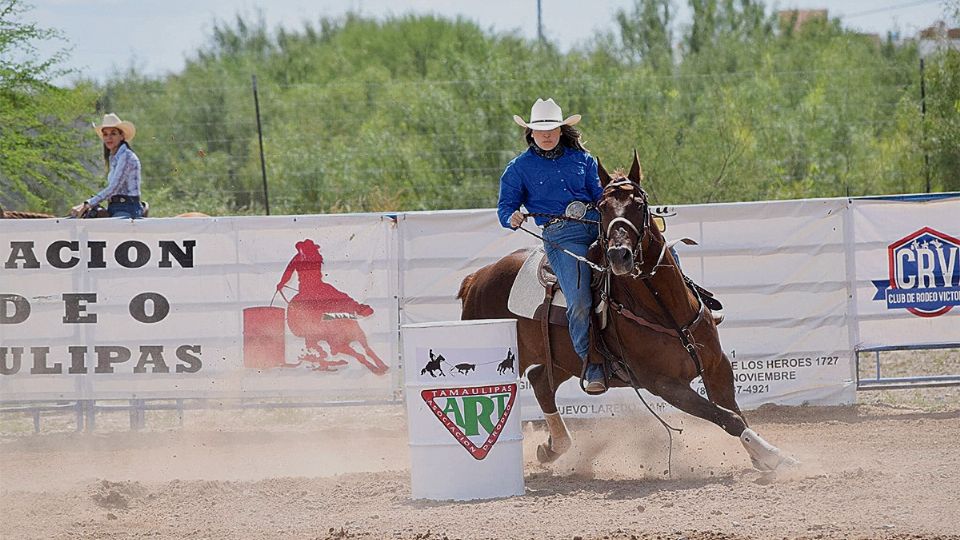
536	278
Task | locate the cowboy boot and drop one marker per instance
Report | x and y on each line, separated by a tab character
593	378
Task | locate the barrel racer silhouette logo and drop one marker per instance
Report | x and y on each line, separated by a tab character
924	274
325	317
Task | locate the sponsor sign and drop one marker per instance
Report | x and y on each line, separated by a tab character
173	308
924	274
474	415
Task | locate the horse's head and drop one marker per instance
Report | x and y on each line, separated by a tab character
626	230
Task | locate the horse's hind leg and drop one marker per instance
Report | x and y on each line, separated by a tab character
380	368
719	383
559	440
377	366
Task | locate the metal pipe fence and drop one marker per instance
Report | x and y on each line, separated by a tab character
900	376
85	411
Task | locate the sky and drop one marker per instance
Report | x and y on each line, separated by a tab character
156	36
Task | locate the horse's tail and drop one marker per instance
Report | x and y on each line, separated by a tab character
465	286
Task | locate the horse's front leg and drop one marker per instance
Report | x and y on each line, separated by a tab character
765	456
559	440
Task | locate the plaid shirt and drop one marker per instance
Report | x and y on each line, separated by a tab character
123	178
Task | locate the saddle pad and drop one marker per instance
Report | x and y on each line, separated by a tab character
527	292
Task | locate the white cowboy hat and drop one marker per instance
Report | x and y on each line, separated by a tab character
113	121
546	115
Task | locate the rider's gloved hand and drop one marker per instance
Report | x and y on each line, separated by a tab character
517	219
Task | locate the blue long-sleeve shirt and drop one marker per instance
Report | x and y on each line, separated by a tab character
123	178
547	186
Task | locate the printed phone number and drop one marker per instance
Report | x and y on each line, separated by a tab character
742	389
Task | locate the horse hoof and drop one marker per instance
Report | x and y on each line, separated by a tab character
545	454
784	463
764	456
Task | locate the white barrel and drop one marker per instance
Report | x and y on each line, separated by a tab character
463	417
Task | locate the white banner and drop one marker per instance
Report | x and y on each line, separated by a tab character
779	268
155	308
907	271
191	308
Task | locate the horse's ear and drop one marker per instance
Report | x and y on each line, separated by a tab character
604	176
636	173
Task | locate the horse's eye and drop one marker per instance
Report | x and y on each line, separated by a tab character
602	203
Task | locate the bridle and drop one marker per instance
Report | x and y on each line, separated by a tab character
641	232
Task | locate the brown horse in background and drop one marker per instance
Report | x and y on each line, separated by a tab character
14	214
658	331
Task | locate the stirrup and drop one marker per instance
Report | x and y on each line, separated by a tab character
717	317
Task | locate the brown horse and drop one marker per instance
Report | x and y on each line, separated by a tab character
659	335
14	214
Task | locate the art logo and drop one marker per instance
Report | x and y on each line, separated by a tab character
474	415
924	274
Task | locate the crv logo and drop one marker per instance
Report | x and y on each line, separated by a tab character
924	274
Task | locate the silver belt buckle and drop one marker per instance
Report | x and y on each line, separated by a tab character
576	210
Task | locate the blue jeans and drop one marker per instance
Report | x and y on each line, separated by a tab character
575	237
676	257
128	210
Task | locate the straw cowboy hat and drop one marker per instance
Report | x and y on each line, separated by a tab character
546	115
113	121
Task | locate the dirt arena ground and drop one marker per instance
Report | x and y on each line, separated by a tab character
879	470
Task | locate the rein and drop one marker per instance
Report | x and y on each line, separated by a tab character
584	260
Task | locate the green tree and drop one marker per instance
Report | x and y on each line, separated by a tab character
413	112
644	34
942	136
43	140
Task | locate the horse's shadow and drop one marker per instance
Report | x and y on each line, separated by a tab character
549	484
